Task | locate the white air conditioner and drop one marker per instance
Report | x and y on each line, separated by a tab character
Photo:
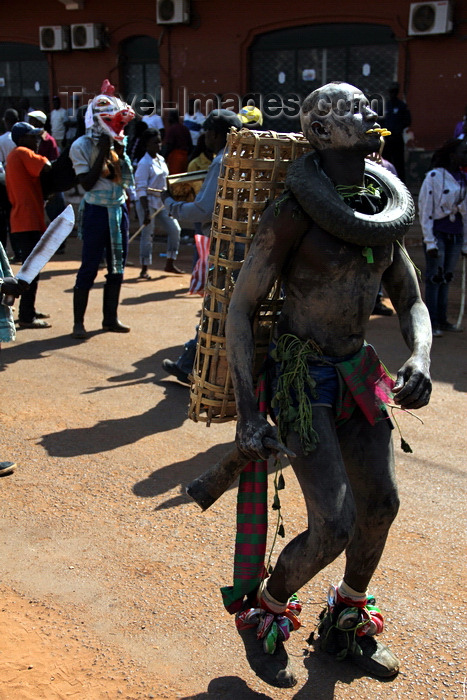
86	36
54	38
430	18
173	11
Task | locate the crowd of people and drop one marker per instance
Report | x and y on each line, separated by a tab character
115	169
131	167
333	420
156	150
112	170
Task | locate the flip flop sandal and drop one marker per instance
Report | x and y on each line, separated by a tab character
7	468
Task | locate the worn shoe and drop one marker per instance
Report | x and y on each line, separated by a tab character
39	314
116	327
79	332
144	276
339	635
7	468
35	323
450	328
171	267
172	368
381	309
437	333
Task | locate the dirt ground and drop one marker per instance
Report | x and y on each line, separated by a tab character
111	574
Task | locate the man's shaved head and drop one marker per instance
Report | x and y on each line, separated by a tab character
336	115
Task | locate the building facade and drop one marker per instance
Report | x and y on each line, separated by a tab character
170	50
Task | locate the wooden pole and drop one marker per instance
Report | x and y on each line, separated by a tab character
158	211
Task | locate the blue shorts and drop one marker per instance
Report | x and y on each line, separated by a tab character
299	379
328	386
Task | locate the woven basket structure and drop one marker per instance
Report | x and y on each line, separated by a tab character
255	166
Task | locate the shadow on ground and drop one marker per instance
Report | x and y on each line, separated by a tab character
324	673
36	349
181	473
107	435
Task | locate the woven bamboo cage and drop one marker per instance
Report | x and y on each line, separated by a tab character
255	165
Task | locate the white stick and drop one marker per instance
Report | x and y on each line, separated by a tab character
462	307
158	211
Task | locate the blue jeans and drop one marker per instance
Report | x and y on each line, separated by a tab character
187	359
439	274
162	223
96	240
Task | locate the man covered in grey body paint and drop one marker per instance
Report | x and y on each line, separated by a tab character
347	476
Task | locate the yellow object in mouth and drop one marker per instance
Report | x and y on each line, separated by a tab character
381	131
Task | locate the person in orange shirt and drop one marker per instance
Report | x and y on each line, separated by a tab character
27	222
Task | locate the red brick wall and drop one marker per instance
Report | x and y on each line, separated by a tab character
211	54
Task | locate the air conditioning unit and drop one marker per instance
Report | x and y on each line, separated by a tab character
430	18
173	11
54	38
86	36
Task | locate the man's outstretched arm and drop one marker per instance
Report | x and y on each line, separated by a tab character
413	385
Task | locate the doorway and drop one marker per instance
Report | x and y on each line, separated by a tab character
139	69
294	62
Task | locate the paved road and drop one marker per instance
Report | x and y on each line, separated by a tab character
110	573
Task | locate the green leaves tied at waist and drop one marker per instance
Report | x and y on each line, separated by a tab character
295	388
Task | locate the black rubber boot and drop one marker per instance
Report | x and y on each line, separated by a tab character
80	302
110	304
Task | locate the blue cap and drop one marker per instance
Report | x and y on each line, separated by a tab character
21	129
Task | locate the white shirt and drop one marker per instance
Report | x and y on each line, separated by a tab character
194	122
58	118
151	172
83	153
154	121
439	197
6	145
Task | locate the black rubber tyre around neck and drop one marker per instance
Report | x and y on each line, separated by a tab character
316	194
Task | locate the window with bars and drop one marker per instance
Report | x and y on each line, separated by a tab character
23	76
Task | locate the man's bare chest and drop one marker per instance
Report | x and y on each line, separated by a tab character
322	255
